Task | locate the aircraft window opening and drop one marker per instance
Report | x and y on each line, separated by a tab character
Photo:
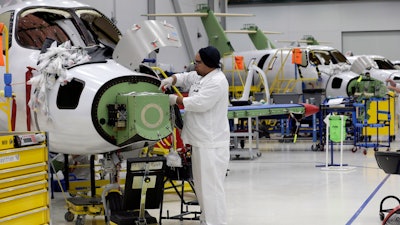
336	83
320	57
396	78
313	59
272	62
330	57
338	57
261	62
326	58
33	29
384	64
101	28
69	94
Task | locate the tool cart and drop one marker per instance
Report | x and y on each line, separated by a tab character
24	197
363	123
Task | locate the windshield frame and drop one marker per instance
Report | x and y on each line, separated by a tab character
79	31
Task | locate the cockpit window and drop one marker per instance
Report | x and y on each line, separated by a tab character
384	64
323	57
33	28
339	57
100	27
313	58
83	27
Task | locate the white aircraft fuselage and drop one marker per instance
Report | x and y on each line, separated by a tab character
80	112
320	64
378	66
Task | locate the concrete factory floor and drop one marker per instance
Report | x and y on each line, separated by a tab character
288	184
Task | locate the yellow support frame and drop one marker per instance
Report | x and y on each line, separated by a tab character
281	84
238	90
5	105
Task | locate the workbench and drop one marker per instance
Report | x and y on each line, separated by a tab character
254	112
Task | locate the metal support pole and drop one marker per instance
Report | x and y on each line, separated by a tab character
66	172
184	31
151	9
92	177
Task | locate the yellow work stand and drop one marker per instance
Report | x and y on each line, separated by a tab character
5	107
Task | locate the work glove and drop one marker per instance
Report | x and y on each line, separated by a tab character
166	83
172	99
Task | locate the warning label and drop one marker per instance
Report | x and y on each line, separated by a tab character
9	159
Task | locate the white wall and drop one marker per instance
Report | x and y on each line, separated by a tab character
324	20
379	43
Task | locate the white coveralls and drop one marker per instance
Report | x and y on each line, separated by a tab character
206	129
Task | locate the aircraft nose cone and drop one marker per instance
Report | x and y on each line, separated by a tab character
310	109
131	109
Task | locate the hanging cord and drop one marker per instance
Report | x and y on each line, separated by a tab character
297	126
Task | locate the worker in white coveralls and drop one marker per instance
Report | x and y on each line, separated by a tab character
206	129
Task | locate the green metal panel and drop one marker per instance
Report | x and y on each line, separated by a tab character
109	97
258	38
261	41
274	111
131	109
148	116
215	32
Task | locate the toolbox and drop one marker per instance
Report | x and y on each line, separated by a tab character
35	216
24	194
22	156
23	202
6	141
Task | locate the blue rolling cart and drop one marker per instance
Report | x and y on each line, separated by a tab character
361	122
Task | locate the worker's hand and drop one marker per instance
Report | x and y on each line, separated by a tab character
166	83
391	82
172	99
